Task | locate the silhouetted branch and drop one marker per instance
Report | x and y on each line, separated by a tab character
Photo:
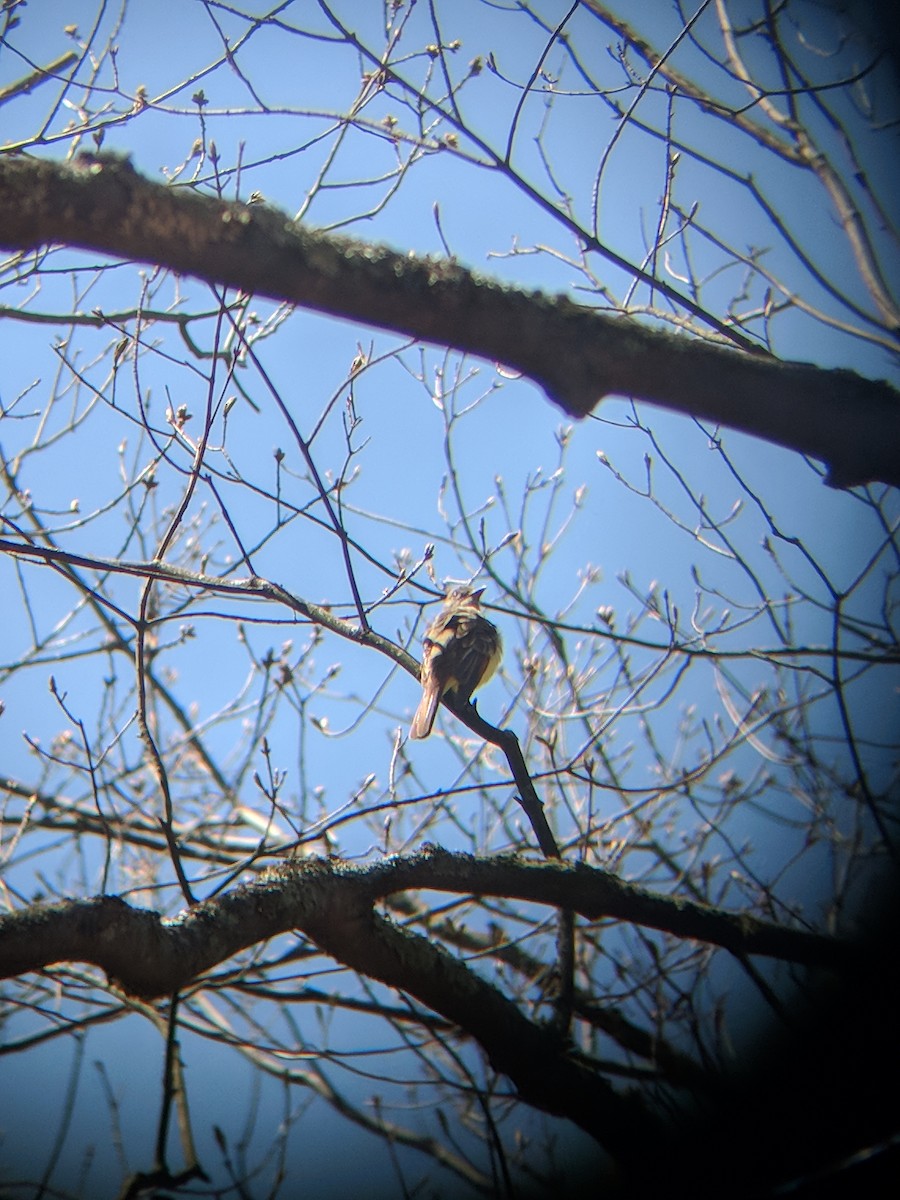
152	958
576	354
333	904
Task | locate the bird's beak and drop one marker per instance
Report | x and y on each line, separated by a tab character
476	596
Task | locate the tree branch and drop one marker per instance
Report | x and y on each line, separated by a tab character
333	904
152	957
578	355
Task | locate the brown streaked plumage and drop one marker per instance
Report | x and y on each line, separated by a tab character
462	651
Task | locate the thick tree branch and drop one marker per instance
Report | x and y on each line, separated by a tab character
576	354
334	905
531	1055
152	957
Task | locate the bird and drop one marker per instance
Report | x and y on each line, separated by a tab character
462	650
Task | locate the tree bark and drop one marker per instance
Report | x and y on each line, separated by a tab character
576	354
150	957
334	905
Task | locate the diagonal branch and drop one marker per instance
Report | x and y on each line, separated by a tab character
334	905
578	355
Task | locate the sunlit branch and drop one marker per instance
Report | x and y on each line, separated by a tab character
578	355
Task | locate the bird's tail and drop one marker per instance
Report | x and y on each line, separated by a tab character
425	713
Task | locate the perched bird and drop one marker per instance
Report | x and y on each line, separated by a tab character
462	651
